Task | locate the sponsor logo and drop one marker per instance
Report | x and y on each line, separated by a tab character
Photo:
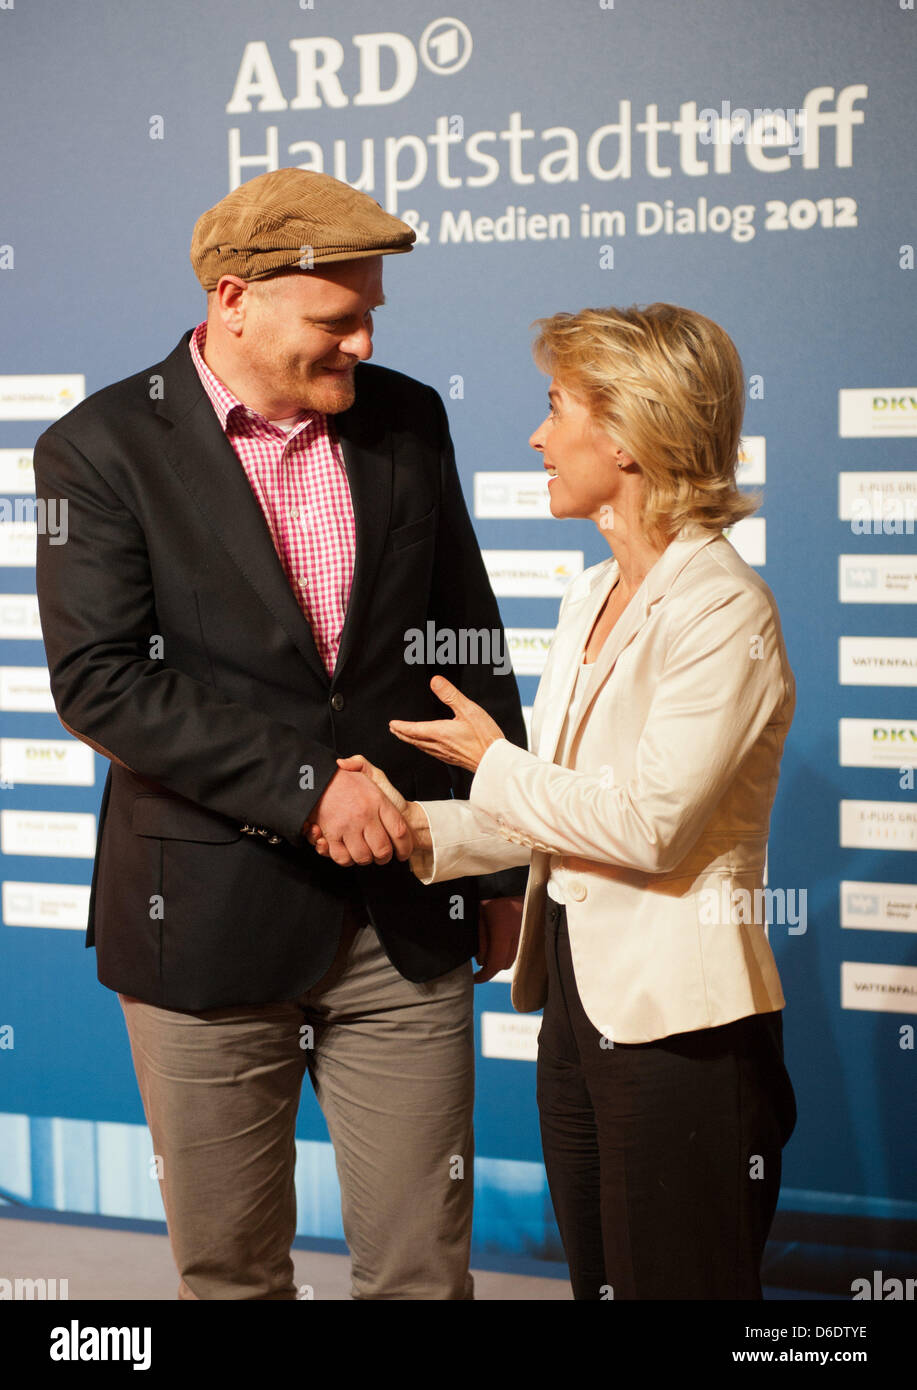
513	1036
59	762
878	825
64	905
516	494
877	661
531	573
41	396
751	464
61	834
877	411
16	474
19	618
528	648
879	988
878	906
875	743
877	578
880	503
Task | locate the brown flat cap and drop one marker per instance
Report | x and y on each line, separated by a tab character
288	218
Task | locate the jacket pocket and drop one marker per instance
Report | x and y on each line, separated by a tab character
165	818
413	532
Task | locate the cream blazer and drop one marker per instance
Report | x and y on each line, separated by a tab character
662	812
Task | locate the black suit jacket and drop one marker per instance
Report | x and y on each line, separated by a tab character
176	645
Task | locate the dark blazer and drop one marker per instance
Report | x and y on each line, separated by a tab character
175	645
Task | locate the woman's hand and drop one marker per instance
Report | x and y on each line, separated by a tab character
462	740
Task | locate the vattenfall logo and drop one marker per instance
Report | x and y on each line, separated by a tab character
388	68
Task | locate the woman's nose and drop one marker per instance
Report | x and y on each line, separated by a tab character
536	440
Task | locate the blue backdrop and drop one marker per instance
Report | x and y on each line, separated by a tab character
625	134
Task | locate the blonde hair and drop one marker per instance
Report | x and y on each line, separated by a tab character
668	385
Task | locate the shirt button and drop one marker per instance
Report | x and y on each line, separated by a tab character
294	513
303	584
337	700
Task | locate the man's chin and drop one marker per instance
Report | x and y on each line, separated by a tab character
332	394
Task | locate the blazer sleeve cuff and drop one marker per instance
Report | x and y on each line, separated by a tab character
488	789
465	843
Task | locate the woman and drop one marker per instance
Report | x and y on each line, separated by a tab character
658	729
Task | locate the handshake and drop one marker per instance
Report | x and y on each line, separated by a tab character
362	819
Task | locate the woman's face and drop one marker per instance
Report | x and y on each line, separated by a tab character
581	460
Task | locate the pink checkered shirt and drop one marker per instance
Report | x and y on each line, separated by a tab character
301	484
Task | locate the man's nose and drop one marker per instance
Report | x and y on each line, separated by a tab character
358	344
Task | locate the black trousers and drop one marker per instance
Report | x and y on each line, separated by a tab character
663	1158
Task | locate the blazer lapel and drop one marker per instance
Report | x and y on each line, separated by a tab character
367	450
656	583
566	655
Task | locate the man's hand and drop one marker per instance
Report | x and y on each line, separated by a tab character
357	823
499	921
416	817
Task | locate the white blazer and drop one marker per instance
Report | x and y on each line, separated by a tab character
663	811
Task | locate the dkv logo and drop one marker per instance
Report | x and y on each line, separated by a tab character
388	67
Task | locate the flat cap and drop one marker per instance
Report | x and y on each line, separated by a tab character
289	218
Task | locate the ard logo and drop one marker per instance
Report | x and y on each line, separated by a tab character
387	64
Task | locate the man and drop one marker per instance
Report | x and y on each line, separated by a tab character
254	525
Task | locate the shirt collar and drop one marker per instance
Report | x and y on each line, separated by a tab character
225	403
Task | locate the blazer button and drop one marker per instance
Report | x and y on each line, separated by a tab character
337	700
577	889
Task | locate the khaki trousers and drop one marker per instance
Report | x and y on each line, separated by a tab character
392	1065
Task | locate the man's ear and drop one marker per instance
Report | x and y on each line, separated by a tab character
229	300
